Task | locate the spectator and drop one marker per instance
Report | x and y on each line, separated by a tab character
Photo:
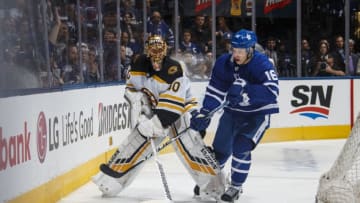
330	68
69	17
320	57
71	70
157	26
109	43
306	55
193	58
153	5
139	40
55	53
109	19
201	34
125	64
56	79
127	6
92	75
270	51
89	23
209	62
60	37
109	38
224	45
223	31
353	59
133	48
127	26
62	41
187	45
112	68
129	47
54	32
91	36
84	56
339	52
286	62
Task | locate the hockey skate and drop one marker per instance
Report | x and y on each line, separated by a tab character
202	196
231	194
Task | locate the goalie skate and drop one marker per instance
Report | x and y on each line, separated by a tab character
231	194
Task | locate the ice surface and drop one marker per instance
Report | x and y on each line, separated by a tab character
285	172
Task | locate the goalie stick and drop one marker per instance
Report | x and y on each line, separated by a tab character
161	171
107	170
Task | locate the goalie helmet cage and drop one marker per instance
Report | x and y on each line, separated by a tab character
341	184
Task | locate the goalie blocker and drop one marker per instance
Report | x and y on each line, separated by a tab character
135	150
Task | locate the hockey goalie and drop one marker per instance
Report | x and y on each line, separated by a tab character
160	101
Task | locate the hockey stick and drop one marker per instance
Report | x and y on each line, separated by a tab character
161	171
107	170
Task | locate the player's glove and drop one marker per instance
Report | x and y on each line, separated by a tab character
236	93
152	127
200	120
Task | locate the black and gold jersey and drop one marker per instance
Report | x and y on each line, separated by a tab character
168	89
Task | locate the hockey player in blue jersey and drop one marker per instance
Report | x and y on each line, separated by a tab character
248	81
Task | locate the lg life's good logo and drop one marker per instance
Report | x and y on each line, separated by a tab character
312	101
41	137
56	131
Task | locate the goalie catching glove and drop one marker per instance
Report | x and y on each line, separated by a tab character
152	127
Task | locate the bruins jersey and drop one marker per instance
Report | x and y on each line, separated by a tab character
168	89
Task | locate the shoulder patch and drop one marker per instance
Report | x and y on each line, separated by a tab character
172	70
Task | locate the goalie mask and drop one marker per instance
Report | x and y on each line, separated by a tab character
155	49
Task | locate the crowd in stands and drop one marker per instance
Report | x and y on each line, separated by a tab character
82	50
328	59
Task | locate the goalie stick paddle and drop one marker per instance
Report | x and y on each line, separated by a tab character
107	170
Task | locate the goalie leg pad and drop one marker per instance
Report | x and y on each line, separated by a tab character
198	159
128	160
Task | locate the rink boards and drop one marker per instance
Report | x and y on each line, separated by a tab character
52	143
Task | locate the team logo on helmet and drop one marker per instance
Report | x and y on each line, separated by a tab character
244	39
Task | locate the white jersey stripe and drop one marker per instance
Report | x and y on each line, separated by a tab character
241	160
239	171
216	90
214	96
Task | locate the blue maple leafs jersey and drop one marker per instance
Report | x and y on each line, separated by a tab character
261	90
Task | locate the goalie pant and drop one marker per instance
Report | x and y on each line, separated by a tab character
190	148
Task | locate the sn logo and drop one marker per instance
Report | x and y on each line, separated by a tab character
312	101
